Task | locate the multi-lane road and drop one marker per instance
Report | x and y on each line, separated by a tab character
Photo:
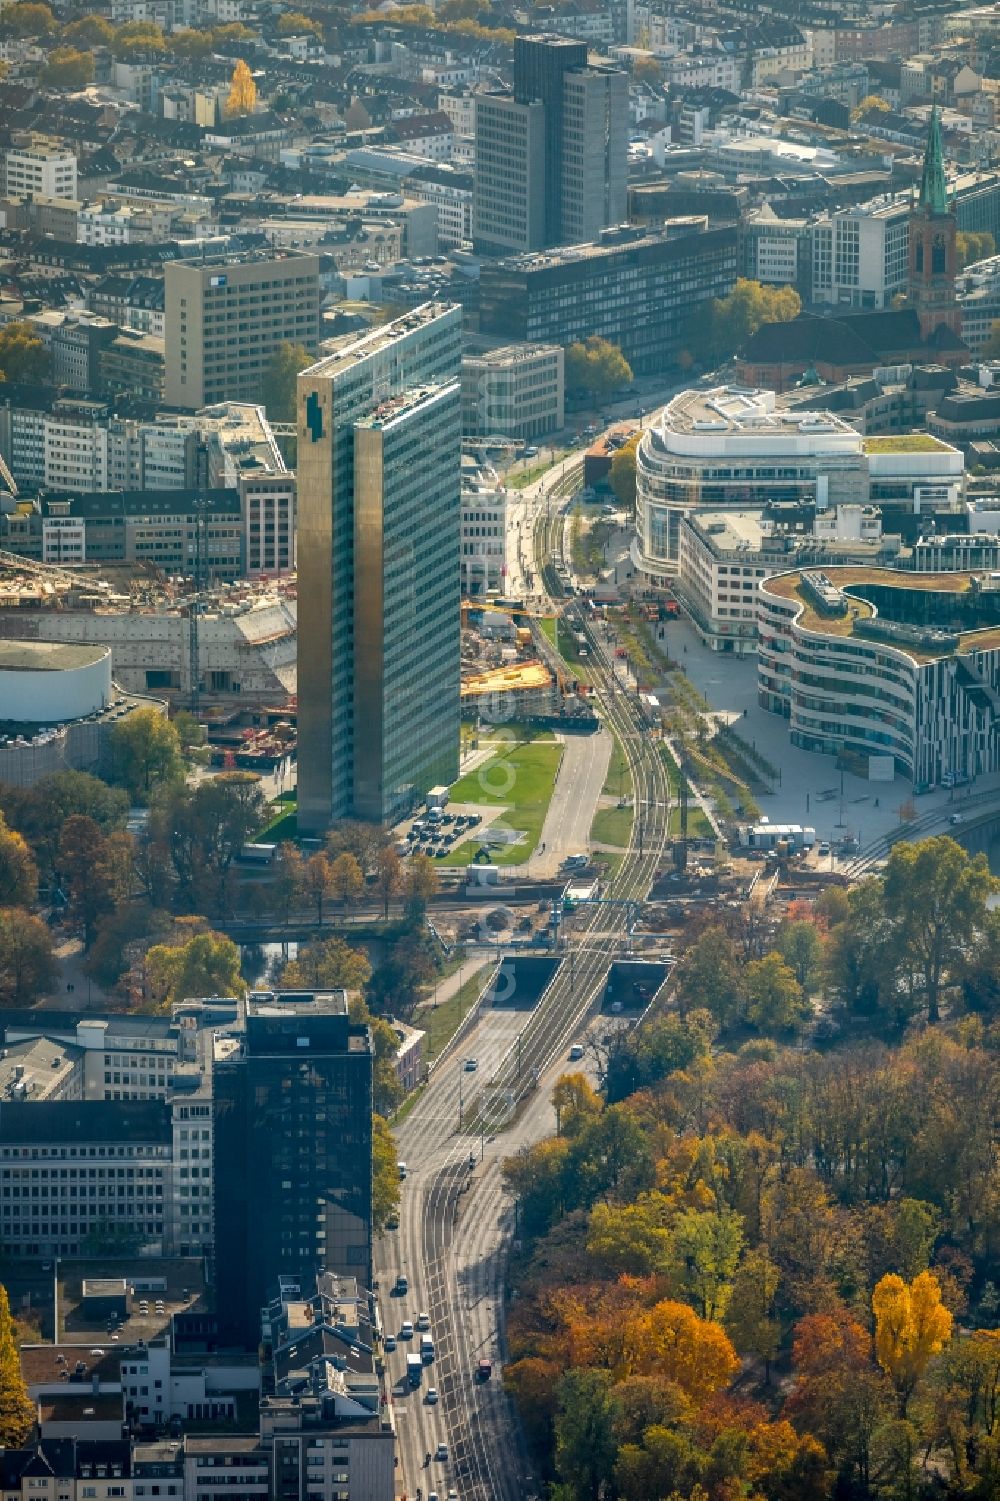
455	1220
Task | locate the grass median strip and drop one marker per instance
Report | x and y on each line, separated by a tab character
612	826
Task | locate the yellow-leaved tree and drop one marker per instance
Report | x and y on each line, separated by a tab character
242	91
912	1325
17	1411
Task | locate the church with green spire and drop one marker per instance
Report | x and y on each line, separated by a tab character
933	251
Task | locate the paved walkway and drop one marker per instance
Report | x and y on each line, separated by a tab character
812	790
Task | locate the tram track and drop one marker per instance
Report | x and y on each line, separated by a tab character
459	1222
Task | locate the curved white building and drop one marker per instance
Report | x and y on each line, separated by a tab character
49	683
730	446
885	663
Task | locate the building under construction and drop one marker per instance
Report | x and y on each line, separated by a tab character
233	644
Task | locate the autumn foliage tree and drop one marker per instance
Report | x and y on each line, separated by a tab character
17	1410
242	99
911	1326
23	356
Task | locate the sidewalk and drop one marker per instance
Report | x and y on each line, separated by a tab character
812	789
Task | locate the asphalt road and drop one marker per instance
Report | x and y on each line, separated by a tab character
455	1218
455	1287
566	830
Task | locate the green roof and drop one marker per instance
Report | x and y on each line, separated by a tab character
904	443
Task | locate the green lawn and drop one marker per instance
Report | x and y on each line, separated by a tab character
281	826
612	826
698	825
618	782
519	779
442	1022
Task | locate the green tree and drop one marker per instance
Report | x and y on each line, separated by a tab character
585	1439
622	474
722	328
347	877
26	20
774	996
704	1249
18	871
280	380
137	39
204	828
597	368
145	750
666	1464
207	964
385	1175
750	1317
801	948
711	977
330	964
190	734
68	68
936	895
39	812
974	245
23	356
26	963
17	1410
87	31
191	44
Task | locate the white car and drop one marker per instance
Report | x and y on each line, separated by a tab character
432	1395
576	1052
390	1343
442	1452
406	1329
423	1321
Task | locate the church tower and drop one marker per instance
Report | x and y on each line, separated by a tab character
933	252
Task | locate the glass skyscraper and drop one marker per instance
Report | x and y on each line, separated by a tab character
379	647
292	1107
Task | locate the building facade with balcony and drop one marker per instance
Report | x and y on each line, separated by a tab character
885	665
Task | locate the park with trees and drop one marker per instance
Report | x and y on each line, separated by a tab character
759	1260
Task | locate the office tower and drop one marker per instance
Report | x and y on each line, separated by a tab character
225	317
508	186
379	643
574	178
593	186
541	66
293	1152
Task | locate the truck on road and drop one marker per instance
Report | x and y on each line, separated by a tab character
414	1369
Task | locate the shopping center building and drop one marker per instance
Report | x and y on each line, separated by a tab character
737	448
886	664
